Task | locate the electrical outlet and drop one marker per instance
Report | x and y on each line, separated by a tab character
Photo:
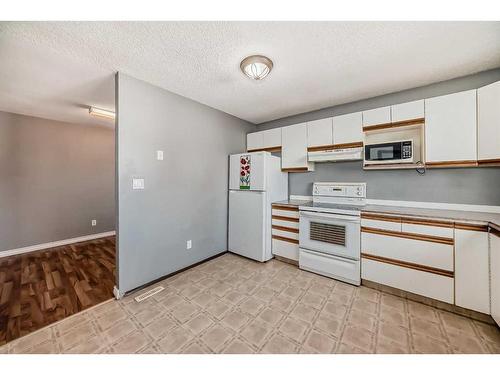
159	155
94	222
189	244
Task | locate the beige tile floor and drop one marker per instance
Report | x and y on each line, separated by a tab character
234	305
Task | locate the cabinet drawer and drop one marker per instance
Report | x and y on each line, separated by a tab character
428	227
394	225
286	213
331	266
286	249
419	252
419	282
285	233
284	223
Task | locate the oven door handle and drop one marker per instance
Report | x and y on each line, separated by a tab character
308	214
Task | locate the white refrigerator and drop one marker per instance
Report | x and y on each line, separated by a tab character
255	181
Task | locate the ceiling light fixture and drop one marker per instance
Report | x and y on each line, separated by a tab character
99	112
256	67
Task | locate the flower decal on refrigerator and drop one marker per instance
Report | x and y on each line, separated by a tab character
245	164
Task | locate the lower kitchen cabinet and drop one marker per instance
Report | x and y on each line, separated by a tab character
412	280
285	231
422	252
414	262
472	276
495	274
286	249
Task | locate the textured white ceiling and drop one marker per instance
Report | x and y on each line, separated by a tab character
55	69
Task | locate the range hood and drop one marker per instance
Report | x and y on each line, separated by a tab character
341	154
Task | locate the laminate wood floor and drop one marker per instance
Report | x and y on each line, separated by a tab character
43	287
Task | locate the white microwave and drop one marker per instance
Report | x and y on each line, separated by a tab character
389	152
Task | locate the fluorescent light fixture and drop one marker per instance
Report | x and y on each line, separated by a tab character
99	112
256	67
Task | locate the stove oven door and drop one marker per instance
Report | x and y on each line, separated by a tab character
330	234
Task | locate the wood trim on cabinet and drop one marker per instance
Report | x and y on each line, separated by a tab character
489	162
268	149
285	218
451	163
295	169
284	207
285	239
370	216
495	231
474	227
398	124
414	266
411	236
429	222
286	229
336	146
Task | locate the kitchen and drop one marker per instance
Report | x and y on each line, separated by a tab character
280	188
445	255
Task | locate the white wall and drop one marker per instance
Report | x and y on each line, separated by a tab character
185	195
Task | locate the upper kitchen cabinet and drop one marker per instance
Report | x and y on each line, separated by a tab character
294	149
450	130
267	140
255	141
408	112
319	133
377	116
348	130
488	125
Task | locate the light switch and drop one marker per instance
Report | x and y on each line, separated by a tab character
159	155
138	183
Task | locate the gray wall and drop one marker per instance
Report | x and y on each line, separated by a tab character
185	195
463	185
55	178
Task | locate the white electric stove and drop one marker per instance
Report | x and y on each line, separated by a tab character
330	231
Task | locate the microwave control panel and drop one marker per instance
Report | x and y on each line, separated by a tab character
406	150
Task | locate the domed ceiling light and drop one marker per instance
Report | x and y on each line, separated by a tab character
256	67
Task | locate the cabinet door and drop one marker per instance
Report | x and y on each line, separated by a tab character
488	116
272	138
348	128
472	278
320	133
377	116
294	148
450	127
495	274
255	141
407	111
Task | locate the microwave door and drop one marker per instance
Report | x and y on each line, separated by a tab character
385	152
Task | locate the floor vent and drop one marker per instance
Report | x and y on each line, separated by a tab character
149	293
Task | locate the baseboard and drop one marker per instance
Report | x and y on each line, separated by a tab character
48	245
152	282
116	293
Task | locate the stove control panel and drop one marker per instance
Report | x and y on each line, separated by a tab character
341	190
